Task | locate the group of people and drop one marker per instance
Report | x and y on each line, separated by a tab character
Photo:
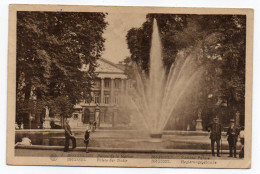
215	129
70	136
233	132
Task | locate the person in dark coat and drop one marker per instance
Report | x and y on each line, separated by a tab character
69	136
215	135
87	136
232	133
94	125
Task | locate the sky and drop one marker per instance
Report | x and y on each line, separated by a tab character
115	34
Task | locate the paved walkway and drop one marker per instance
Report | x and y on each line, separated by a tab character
60	153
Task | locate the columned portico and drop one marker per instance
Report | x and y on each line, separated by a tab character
108	93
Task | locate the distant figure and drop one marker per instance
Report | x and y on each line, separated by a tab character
242	141
25	142
21	126
87	136
215	135
16	126
20	123
69	136
232	133
94	126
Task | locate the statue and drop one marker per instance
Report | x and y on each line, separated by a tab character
199	121
47	112
47	120
97	119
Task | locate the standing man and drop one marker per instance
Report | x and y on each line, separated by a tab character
215	135
232	134
68	136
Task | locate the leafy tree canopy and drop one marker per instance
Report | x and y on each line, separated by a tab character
51	48
221	40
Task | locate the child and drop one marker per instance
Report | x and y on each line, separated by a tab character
87	135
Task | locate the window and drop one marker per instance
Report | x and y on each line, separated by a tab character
106	99
97	84
97	98
107	83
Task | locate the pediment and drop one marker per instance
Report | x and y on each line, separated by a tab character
105	66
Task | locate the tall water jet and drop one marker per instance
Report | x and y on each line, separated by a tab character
159	94
156	81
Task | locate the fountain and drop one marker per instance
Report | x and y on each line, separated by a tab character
155	99
159	94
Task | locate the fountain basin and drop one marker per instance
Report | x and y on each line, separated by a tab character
122	139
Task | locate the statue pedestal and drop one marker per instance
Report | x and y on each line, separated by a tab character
47	123
199	125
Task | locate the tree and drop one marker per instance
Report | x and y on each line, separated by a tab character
51	48
221	39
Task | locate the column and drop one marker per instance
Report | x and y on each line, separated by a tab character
122	85
122	91
80	117
97	118
112	91
102	91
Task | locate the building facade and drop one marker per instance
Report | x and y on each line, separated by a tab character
108	94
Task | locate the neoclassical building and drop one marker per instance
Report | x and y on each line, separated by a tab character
109	92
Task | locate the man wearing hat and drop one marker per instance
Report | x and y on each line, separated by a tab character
215	135
68	136
232	133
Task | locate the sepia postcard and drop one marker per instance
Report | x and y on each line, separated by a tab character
129	86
